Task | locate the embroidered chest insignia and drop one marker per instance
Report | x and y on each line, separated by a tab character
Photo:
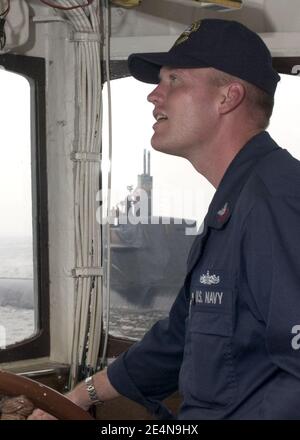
209	279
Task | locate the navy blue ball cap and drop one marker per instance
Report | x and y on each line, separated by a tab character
225	45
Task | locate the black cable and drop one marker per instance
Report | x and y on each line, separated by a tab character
2	33
3	16
6	11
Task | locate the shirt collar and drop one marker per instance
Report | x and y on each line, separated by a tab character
235	177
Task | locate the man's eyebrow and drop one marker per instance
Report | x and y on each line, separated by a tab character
167	70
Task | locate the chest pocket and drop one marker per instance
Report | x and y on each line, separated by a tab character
212	377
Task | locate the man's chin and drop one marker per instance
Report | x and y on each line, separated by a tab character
160	146
157	147
167	149
161	149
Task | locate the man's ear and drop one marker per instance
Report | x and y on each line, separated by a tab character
231	97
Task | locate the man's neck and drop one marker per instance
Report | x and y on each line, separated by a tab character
213	160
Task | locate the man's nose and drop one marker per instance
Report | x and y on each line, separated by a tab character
156	95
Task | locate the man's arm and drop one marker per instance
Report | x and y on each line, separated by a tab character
272	249
146	373
103	389
80	395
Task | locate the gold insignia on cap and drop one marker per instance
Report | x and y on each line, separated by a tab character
185	34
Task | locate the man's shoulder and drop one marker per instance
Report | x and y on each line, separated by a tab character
277	175
273	182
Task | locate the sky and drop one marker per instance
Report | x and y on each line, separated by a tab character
178	189
284	126
15	163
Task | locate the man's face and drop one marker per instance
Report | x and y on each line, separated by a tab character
185	108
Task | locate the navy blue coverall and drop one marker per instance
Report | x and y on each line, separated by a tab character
231	343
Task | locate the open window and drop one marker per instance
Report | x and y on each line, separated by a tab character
24	280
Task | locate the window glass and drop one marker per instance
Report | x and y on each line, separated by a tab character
148	260
16	246
284	125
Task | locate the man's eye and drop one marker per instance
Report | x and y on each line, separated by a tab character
173	78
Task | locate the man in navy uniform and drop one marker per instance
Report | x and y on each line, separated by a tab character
231	344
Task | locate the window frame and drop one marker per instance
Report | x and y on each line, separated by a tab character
34	70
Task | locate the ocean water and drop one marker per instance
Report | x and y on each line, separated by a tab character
16	290
132	324
16	324
16	299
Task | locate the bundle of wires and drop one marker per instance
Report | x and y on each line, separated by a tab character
64	7
84	16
